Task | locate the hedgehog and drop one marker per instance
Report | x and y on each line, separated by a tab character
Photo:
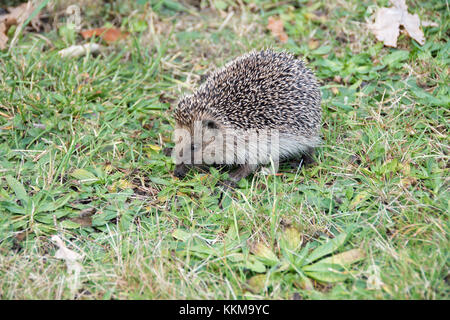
260	108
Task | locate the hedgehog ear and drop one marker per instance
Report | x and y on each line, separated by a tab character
210	124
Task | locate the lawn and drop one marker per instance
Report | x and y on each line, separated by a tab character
85	155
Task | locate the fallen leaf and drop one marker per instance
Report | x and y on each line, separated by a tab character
3	36
412	26
107	34
87	212
277	29
386	26
21	235
83	221
337	79
313	44
387	22
17	16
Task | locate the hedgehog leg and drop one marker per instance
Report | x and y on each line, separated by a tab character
306	159
242	172
308	156
180	170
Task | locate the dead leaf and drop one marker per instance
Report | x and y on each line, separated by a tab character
313	44
412	26
17	16
21	235
3	36
22	12
337	79
107	34
386	26
83	221
387	22
277	29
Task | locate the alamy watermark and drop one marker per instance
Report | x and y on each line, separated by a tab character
74	17
205	144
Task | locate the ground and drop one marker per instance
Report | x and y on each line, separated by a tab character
84	154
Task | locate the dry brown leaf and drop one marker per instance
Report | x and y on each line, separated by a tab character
83	221
22	12
21	235
277	29
387	22
313	44
412	26
3	36
16	16
337	79
107	34
335	90
386	26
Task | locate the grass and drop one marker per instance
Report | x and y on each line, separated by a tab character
82	155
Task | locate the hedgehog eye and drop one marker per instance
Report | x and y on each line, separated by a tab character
210	124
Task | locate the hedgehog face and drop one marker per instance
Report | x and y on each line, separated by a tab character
197	144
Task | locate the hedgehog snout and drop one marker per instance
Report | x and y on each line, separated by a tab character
180	170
